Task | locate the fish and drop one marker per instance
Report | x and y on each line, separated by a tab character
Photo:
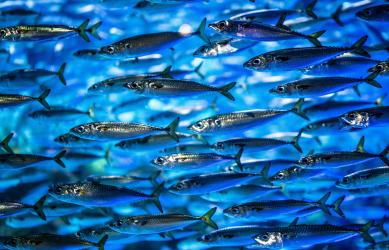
94	194
300	58
262	32
104	131
18	14
26	78
366	178
94	234
189	161
324	127
242	120
50	241
46	32
73	141
378	13
364	118
12	100
320	86
62	113
125	181
172	88
20	161
223	47
8	209
146	44
90	54
342	158
4	144
151	224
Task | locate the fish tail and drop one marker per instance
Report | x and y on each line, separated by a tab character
42	99
337	204
322	203
295	142
309	9
364	232
200	31
313	38
166	72
197	70
93	30
380	100
82	30
5	143
207	218
154	177
60	73
370	79
38	207
336	15
58	157
224	90
100	245
237	158
297	109
380	226
155	196
383	156
357	47
172	127
91	111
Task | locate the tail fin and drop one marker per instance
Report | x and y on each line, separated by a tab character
82	30
42	99
357	47
295	141
383	156
102	242
309	9
380	226
91	111
207	218
172	127
93	30
313	38
237	158
322	203
370	79
364	231
336	15
380	100
58	157
197	70
297	109
166	72
38	207
200	31
4	143
60	73
337	204
155	196
154	177
224	90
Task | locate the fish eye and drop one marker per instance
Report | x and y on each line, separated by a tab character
235	210
256	61
206	237
3	32
368	12
133	85
199	125
77	191
110	49
160	160
295	169
218	122
280	175
280	88
351	115
264	237
58	189
220	145
203	49
221	24
346	180
95	86
119	223
179	186
304	161
77	234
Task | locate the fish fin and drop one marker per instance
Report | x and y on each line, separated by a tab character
380	226
224	90
107	155
280	22
357	47
294	222
265	173
102	242
356	90
237	158
154	177
93	30
200	31
82	30
42	99
313	38
337	204
58	157
38	207
4	143
322	203
91	111
60	73
155	195
297	109
380	100
166	72
65	220
197	70
295	142
383	156
207	218
309	9
364	231
360	145
317	139
172	127
201	139
336	15
370	79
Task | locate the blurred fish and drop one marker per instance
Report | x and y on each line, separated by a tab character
15	208
11	100
378	13
73	141
62	113
224	47
19	161
125	181
366	178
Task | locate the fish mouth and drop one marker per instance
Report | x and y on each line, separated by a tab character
273	91
213	26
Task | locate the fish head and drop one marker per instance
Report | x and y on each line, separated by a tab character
223	26
235	211
257	63
269	240
205	51
123	144
367	13
219	146
382	67
183	185
85	53
346	182
66	192
108	50
282	90
101	87
12	242
285	175
128	225
5	33
62	139
81	130
137	86
160	161
202	126
210	238
306	161
354	119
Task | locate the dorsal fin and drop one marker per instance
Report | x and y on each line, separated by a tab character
166	72
294	222
311	152
360	148
280	22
